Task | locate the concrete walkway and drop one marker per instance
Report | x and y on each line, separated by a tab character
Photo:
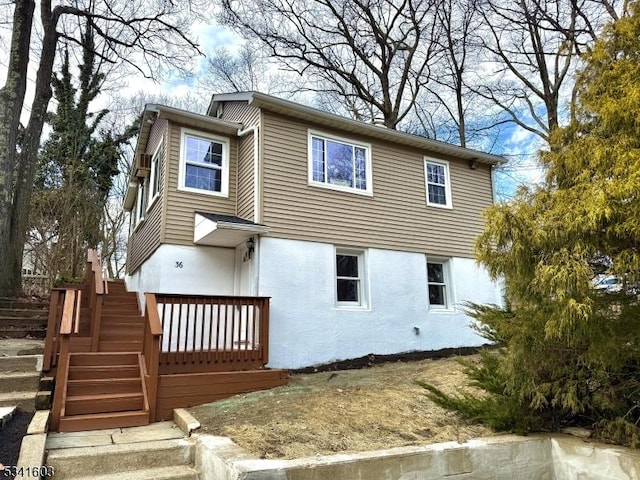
115	436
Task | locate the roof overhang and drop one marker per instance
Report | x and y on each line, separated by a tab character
224	230
303	112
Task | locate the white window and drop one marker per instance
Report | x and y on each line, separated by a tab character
438	284
350	278
141	199
204	163
154	182
438	184
339	164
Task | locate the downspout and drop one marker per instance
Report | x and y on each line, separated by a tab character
494	196
256	201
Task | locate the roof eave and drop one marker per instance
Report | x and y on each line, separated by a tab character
279	105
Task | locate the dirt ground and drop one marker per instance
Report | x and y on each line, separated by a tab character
344	411
11	438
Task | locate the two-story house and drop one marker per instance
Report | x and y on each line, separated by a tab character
362	236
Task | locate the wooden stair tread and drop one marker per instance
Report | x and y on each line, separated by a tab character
103	396
100	421
99	386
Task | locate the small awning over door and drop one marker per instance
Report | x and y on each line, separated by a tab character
224	230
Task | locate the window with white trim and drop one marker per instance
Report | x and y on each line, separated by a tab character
350	278
141	199
438	284
204	163
339	163
154	182
438	184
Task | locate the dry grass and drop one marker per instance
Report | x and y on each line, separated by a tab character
346	411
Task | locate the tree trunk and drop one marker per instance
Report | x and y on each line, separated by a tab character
11	101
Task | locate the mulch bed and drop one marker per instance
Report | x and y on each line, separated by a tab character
11	437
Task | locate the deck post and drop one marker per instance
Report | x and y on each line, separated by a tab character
50	344
151	351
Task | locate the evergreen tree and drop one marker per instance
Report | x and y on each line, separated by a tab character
76	167
570	352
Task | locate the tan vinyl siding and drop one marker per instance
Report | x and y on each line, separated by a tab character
181	205
241	112
396	217
146	237
245	176
156	135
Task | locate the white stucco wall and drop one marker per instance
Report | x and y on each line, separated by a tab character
197	270
307	328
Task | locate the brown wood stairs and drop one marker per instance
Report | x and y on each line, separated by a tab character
106	388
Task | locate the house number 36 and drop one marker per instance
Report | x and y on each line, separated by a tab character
179	265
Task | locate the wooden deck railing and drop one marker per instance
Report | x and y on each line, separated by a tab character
69	325
209	333
96	289
51	343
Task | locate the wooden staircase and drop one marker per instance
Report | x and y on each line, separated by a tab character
121	323
106	388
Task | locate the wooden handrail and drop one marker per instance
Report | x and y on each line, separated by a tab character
152	313
97	287
51	341
69	324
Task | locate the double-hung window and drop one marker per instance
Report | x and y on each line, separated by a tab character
437	280
204	163
350	278
154	182
141	206
339	164
438	184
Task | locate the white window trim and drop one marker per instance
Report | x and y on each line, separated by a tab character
152	177
447	187
367	147
363	277
141	209
448	284
224	192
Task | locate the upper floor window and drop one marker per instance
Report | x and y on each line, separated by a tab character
154	182
204	163
438	184
339	164
141	199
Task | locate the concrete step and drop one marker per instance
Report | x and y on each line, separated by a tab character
181	472
24	331
22	363
24	312
20	320
24	400
114	459
19	381
23	305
